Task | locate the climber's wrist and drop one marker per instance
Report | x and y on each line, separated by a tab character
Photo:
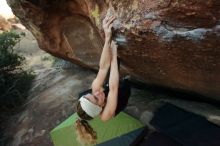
108	38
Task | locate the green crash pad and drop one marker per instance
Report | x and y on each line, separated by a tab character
64	134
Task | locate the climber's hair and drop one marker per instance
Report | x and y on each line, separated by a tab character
85	134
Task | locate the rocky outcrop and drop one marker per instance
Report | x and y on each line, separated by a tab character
169	43
4	24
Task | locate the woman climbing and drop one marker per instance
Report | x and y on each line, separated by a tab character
108	94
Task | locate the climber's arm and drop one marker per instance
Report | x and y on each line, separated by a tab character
112	99
105	59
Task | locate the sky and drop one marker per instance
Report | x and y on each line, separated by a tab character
5	10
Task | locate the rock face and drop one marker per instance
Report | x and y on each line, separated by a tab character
169	43
4	24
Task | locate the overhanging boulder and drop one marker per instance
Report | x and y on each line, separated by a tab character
168	43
